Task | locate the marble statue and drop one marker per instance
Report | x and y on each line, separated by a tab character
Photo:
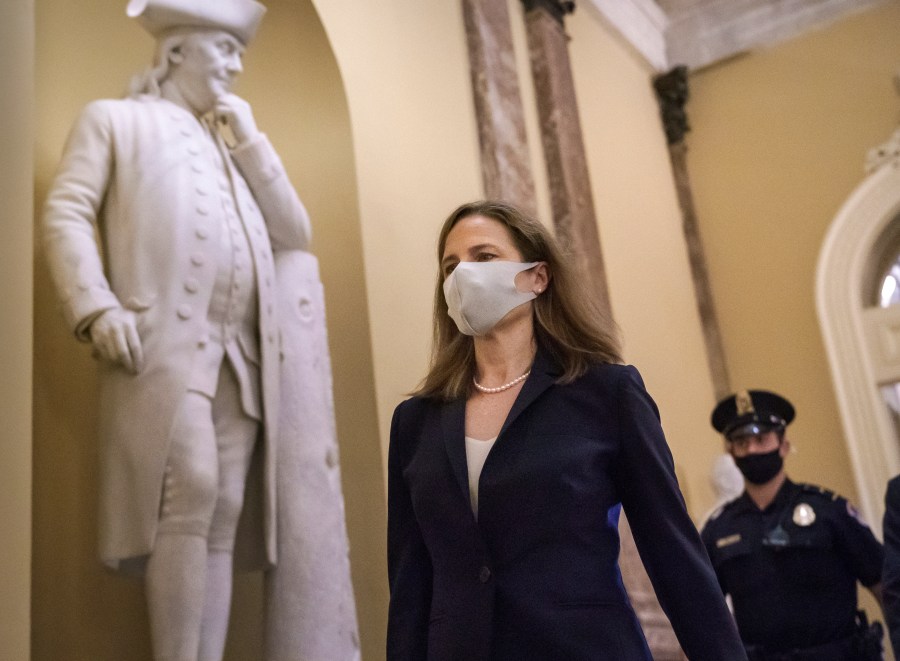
162	230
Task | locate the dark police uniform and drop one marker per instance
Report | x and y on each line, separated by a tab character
791	569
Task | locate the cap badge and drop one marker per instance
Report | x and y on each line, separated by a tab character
804	515
744	403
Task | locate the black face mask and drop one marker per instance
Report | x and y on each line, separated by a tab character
760	468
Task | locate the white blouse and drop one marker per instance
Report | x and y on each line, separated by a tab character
476	453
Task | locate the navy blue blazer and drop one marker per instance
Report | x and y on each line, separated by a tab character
890	576
536	576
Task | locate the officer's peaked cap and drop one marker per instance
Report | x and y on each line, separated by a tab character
757	410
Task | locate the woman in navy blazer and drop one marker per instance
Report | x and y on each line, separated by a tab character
508	468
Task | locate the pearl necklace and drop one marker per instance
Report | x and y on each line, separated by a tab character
505	386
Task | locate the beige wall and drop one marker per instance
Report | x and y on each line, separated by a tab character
405	69
778	142
16	41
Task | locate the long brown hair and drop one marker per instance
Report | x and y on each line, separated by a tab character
567	322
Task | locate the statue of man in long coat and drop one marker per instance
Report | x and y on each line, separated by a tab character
160	230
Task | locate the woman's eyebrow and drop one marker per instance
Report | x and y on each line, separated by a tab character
482	246
470	250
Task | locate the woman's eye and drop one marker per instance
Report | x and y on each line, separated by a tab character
485	257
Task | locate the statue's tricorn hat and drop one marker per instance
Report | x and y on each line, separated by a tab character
751	412
238	17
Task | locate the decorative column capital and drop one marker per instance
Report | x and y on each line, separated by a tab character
672	94
556	8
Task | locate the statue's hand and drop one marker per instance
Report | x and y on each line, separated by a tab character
116	340
236	113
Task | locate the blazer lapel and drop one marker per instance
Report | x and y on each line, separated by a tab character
453	416
543	374
453	428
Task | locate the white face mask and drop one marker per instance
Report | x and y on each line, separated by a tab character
479	294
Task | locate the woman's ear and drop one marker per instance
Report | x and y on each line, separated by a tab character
541	274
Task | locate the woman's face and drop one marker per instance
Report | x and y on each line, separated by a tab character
482	239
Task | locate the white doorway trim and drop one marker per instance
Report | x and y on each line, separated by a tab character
849	247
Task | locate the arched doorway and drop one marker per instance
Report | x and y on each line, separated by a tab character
859	311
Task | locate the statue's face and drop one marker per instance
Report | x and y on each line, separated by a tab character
205	67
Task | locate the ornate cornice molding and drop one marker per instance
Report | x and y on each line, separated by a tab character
643	25
701	32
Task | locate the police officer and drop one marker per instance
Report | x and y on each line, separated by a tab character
789	554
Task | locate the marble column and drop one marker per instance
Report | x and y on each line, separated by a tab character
505	165
570	187
576	226
672	93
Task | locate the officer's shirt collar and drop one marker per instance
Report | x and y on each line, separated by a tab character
787	491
